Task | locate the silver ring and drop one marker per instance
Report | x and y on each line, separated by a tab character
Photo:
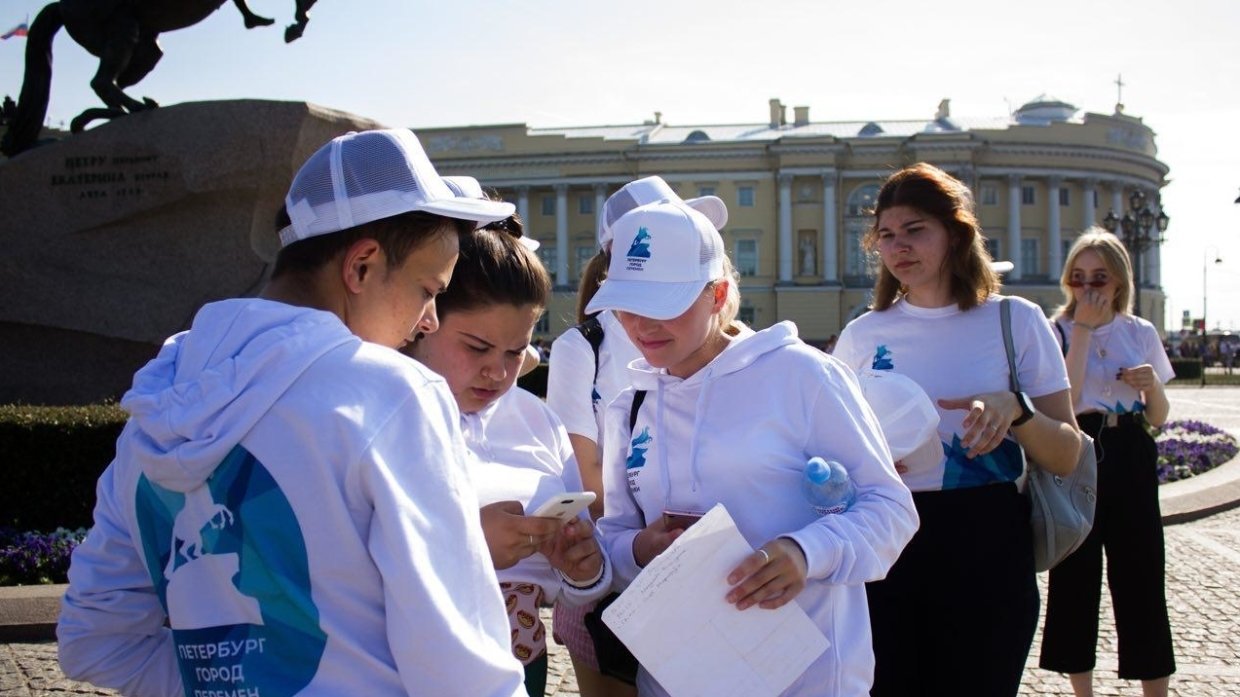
766	558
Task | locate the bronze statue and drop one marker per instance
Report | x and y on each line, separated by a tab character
124	35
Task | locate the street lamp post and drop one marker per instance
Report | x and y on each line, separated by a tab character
1205	327
1136	226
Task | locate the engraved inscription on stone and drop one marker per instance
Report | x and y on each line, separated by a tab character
98	177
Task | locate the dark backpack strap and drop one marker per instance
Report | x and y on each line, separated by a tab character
638	397
592	330
1063	339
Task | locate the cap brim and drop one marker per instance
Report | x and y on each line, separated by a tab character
477	210
653	299
713	207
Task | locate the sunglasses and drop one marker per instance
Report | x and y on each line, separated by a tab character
1080	283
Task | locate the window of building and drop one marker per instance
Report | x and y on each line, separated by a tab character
543	325
1028	196
585	205
585	252
747	314
745	196
861	201
857	220
1065	196
746	254
547	253
1095	195
706	191
1030	260
992	248
548	205
990	195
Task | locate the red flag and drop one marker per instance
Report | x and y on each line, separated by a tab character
19	30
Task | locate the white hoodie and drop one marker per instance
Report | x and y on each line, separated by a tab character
738	432
293	501
521	453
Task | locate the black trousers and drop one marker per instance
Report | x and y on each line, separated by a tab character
1128	526
957	612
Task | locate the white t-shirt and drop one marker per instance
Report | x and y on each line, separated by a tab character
571	375
951	354
521	453
1125	342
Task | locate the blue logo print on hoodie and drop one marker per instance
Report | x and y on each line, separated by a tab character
882	359
637	450
228	561
641	245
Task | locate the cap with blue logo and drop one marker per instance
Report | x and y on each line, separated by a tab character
649	190
663	254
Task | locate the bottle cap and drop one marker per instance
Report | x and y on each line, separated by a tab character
817	470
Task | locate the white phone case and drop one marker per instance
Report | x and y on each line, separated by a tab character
565	506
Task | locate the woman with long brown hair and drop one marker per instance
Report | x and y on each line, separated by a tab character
956	614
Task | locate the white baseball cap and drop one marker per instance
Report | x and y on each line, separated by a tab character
361	177
652	190
907	416
468	187
663	255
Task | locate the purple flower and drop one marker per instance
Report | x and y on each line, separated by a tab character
1186	448
36	557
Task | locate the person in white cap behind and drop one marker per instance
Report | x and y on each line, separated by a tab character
732	419
289	510
588	368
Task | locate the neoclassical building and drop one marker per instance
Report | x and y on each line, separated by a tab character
798	190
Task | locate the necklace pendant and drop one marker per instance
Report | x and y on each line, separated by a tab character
1102	353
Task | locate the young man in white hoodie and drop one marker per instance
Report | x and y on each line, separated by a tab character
288	511
732	419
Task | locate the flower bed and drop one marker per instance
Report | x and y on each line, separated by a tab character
36	557
1187	448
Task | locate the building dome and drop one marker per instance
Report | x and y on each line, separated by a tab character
1044	110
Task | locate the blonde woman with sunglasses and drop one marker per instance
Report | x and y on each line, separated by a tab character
1116	367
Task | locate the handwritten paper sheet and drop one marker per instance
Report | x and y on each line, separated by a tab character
675	620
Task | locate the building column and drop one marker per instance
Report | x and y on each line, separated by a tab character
600	198
1013	231
830	230
1054	241
1117	199
1088	190
523	204
785	228
561	235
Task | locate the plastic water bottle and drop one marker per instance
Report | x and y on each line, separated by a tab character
827	486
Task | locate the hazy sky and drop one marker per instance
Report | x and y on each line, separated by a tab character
423	63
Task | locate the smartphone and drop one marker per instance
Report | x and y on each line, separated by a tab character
566	506
679	520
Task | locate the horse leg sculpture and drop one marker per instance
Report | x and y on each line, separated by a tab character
252	20
126	58
294	31
118	51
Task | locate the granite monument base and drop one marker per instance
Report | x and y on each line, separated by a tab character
115	237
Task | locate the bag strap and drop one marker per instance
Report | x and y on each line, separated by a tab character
1005	317
592	330
1063	338
638	397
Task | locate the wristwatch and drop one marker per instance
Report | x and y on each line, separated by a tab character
1026	408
